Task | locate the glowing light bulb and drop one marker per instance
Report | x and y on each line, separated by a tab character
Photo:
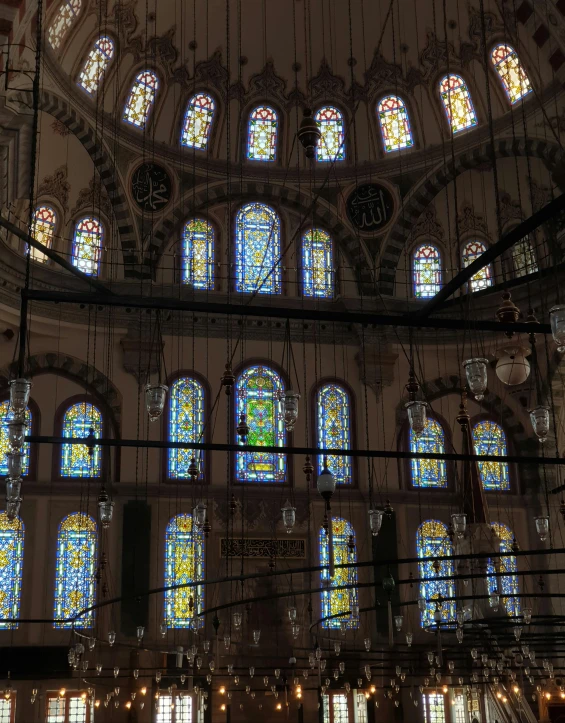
516	689
373	689
62	692
222	690
83	696
548	696
128	704
367	695
97	704
223	707
279	706
445	689
143	691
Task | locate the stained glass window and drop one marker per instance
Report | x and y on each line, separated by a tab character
76	459
489	438
428	472
43	230
339	708
483	278
184	563
258	248
433	543
198	254
524	257
427	271
457	103
262	134
181	713
513	76
335	601
506	585
334	429
317	260
434	707
11	568
257	395
87	245
141	98
6	415
395	125
96	64
66	15
186	424
75	582
72	708
331	146
198	121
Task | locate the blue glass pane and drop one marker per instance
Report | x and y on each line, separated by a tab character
334	430
76	459
11	569
198	254
428	472
489	438
6	415
433	543
317	262
331	146
335	601
262	134
184	563
258	249
186	424
506	585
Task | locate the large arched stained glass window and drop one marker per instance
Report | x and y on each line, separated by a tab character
333	408
489	438
257	395
258	248
87	245
335	601
141	98
96	64
184	563
198	254
6	415
483	278
457	103
428	472
331	146
11	569
66	15
198	121
513	76
75	582
262	134
186	424
77	460
433	543
524	257
395	125
43	230
317	261
506	585
426	261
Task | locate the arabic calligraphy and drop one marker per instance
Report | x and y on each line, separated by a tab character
151	187
370	207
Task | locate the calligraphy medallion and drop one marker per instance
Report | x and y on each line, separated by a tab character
370	207
151	187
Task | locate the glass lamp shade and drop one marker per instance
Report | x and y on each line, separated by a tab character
355	611
105	508
111	637
19	395
341	667
17	430
417	416
476	373
557	321
459	634
15	464
409	637
295	631
290	409
256	636
527	613
288	516
539	417
237	617
326	483
337	647
398	620
367	643
251	671
292	613
494	600
421	604
155	396
388	583
140	633
13	489
199	513
459	522
542	527
375	521
227	641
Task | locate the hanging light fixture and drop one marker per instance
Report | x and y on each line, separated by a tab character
290	409
375	521
542	527
309	133
19	395
539	416
459	522
557	321
417	416
476	373
326	483
105	508
288	516
155	396
242	428
199	514
17	429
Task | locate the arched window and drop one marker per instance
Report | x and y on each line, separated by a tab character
96	64
262	134
428	472
75	581
184	563
524	257
87	245
186	424
426	261
11	568
43	230
457	103
141	98
331	146
257	394
489	438
198	254
333	408
335	601
77	460
483	278
395	124
6	415
513	76
506	585
198	121
433	543
317	262
258	249
66	15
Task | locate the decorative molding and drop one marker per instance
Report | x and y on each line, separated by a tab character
468	220
56	186
510	210
93	197
428	224
263	548
60	129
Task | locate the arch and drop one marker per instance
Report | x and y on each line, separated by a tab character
66	15
87	245
11	569
185	423
507	585
184	563
395	124
514	80
262	134
428	472
43	230
76	459
331	146
433	543
96	64
6	415
489	438
197	122
258	249
524	257
344	552
457	103
141	98
333	429
317	264
198	254
426	270
484	277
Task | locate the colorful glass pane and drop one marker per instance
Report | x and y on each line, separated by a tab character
483	278
198	254
6	415
489	438
197	122
65	17
262	134
258	249
317	260
428	472
434	708
87	245
184	563
524	257
42	230
141	98
427	271
331	146
96	64
513	76
75	581
395	125
11	569
76	459
457	103
433	543
334	430
186	424
257	394
507	585
334	600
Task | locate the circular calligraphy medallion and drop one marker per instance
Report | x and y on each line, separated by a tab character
370	207
151	187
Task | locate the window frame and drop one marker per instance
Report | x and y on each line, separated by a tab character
330	695
421	573
416	244
124	97
210	146
193	712
478	237
406	464
12	699
439	77
344	120
513	476
66	39
244	135
380	141
79	65
67	697
334	268
531	92
75	221
325	583
282	275
179	270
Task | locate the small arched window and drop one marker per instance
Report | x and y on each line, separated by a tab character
75	580
513	76
77	460
524	257
66	15
428	472
96	64
258	249
336	601
506	585
141	98
198	121
317	262
186	424
43	230
433	543
483	278
184	563
6	415
426	264
395	124
457	103
331	146
87	245
198	254
333	409
489	439
262	134
11	569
